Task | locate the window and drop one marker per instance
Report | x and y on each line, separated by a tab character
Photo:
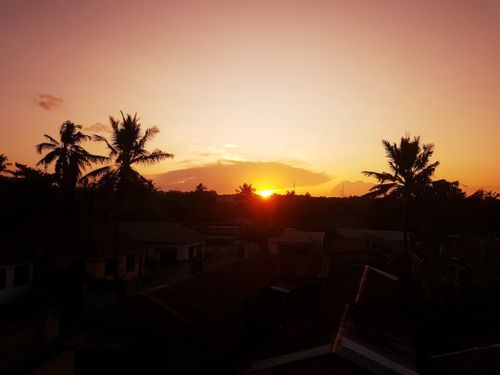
130	266
21	275
3	275
110	267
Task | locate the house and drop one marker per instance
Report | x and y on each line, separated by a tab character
16	276
219	234
373	333
296	241
368	240
305	341
166	241
208	323
356	329
29	327
16	268
90	252
29	319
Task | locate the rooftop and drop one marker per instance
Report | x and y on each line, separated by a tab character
161	232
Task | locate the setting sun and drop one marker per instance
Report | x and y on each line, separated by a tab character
265	193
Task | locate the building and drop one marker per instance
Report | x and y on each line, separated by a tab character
368	240
372	332
16	272
92	253
208	323
296	241
355	329
29	327
166	241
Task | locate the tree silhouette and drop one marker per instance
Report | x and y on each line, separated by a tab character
200	188
126	148
246	190
411	172
70	158
3	163
32	176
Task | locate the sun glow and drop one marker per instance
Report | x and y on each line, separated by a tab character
265	193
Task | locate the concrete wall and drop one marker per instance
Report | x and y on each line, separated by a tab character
11	292
95	269
21	342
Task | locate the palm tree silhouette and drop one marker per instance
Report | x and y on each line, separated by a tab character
126	147
70	158
411	172
3	163
245	190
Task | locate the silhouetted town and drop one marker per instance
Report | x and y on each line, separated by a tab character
102	273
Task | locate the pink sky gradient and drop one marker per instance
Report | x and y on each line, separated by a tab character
308	84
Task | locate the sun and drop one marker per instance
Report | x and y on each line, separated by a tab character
265	193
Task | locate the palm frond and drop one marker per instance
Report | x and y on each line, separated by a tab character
80	137
49	158
97	159
152	158
41	147
148	135
96	173
381	189
52	140
380	176
100	138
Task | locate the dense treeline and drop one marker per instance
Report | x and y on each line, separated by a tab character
32	194
411	200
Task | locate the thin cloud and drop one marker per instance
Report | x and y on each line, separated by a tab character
48	101
98	127
226	175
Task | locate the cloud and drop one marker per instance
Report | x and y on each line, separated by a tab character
98	127
350	188
225	176
48	102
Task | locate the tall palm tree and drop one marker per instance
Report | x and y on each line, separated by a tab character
3	163
126	148
70	158
410	172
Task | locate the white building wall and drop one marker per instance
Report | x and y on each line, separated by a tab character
10	291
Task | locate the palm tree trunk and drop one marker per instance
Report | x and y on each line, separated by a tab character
117	211
406	220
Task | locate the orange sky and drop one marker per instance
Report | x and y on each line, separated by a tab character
271	92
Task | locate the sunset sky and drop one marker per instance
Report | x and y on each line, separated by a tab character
271	92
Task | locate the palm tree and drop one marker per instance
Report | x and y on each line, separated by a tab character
411	172
70	158
200	188
127	147
246	190
3	163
